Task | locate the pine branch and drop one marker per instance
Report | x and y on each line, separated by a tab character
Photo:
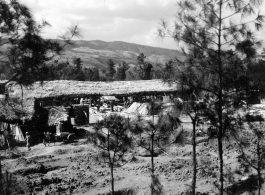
230	27
205	6
239	10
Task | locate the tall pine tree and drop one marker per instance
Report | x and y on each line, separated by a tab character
211	29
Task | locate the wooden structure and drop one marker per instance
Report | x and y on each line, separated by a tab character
26	103
23	101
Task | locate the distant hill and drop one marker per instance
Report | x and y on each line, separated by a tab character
96	53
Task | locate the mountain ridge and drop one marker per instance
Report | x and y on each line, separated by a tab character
95	53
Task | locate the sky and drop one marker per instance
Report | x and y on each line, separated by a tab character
133	21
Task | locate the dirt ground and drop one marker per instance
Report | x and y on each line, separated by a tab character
71	168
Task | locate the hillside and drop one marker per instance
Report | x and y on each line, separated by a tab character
96	53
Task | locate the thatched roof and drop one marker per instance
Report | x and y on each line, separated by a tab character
85	88
14	108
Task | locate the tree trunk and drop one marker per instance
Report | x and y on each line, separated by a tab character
259	180
112	179
259	165
152	155
220	101
221	178
152	163
1	184
111	161
194	157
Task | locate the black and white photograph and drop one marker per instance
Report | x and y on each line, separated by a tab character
132	97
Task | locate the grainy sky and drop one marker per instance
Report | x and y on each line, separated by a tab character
134	21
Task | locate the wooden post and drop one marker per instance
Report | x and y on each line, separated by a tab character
88	114
1	184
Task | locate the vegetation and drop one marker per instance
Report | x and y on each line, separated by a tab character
195	111
144	68
254	135
154	134
27	54
112	138
121	71
205	29
68	71
5	181
110	70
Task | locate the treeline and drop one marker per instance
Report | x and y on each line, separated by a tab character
77	70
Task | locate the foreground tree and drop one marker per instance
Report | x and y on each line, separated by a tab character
29	56
253	150
112	138
195	110
24	51
212	29
157	132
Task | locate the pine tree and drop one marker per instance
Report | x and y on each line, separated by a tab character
27	52
113	140
144	68
155	133
121	71
111	69
212	29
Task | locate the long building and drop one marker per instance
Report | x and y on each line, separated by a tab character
20	102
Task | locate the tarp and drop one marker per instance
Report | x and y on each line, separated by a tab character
144	109
139	109
133	107
109	98
14	129
19	135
